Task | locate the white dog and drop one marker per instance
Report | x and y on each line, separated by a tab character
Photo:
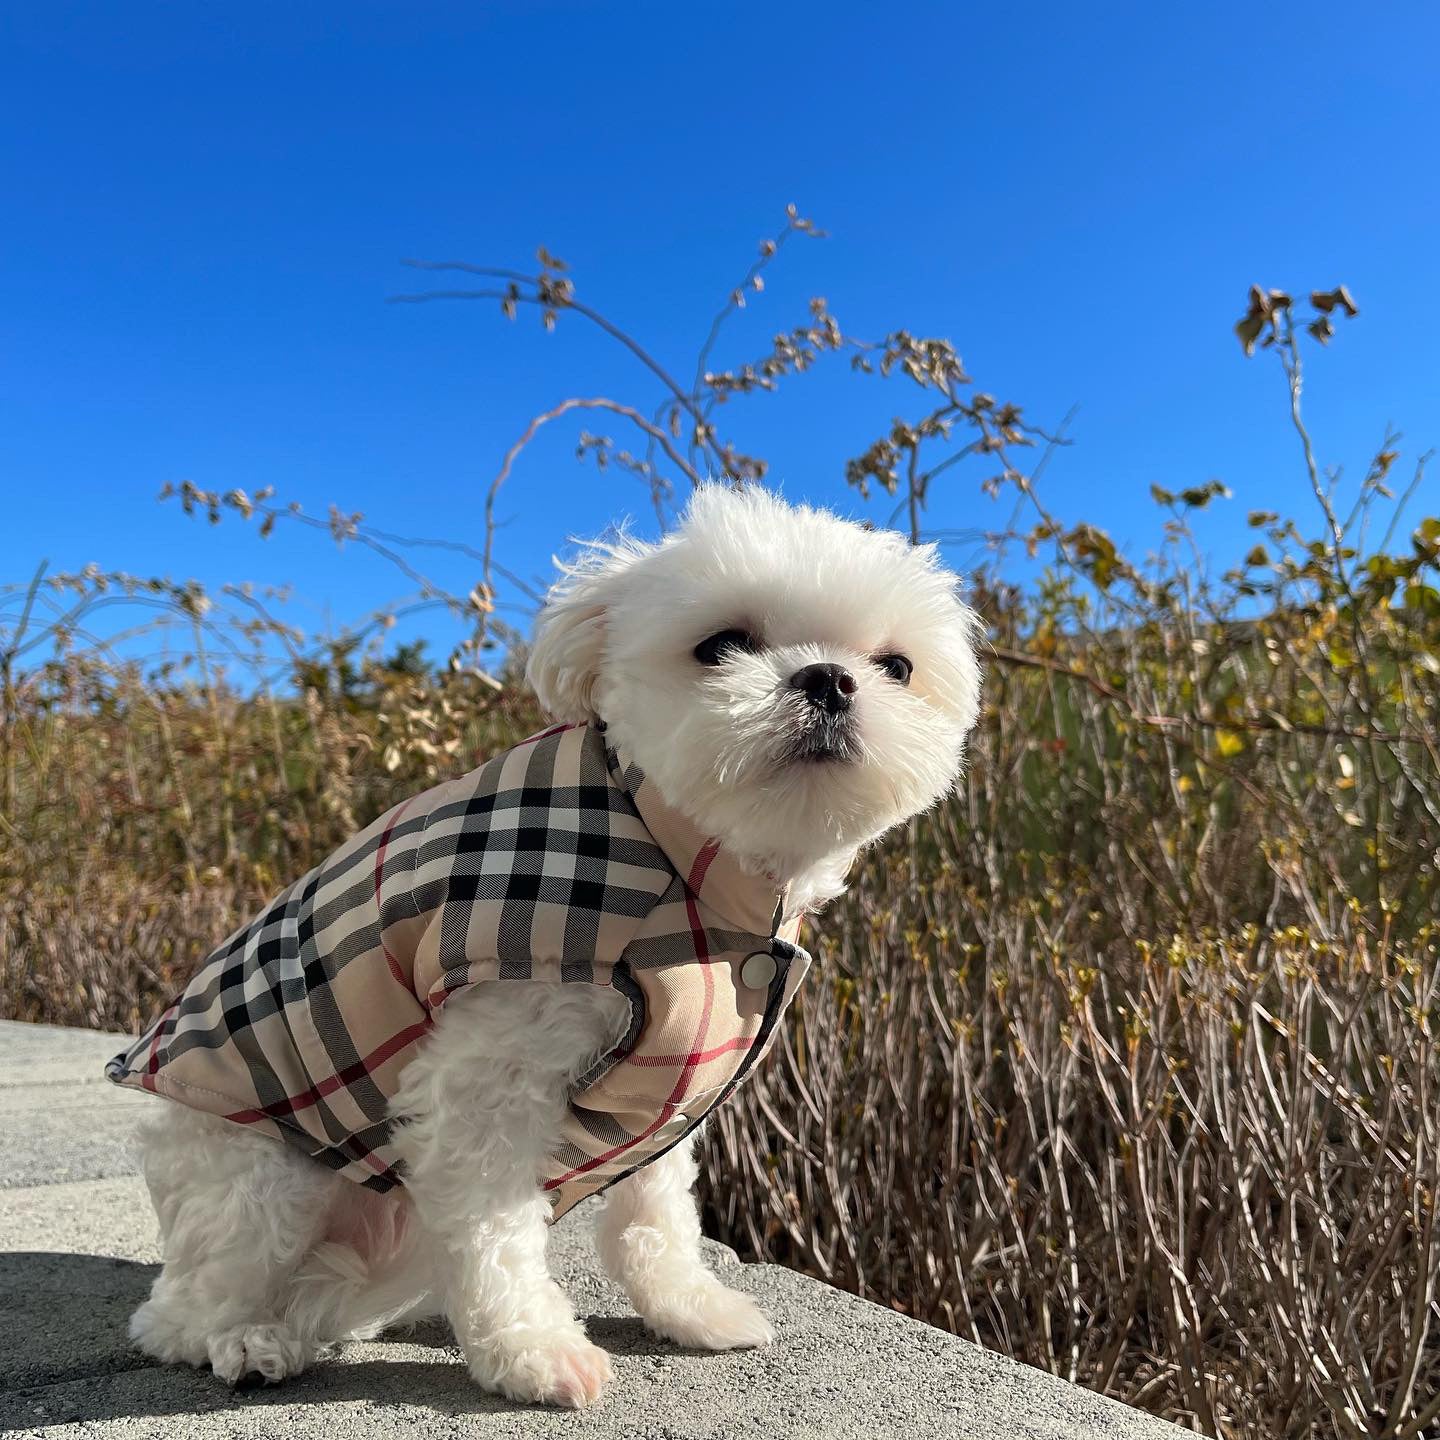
793	684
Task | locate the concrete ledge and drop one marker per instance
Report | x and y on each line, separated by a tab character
79	1252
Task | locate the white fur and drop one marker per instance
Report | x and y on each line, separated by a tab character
615	642
269	1259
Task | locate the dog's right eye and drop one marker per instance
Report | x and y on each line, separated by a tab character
717	648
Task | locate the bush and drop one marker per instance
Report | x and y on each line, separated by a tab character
1121	1061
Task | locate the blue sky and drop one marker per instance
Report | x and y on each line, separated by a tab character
207	204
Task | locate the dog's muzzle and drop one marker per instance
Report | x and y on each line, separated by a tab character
827	720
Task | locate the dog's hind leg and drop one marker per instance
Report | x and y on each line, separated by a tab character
238	1213
373	1268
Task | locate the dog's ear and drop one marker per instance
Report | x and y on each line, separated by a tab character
569	646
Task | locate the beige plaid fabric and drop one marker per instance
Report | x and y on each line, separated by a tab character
554	861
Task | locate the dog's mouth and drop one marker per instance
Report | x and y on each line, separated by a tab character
825	740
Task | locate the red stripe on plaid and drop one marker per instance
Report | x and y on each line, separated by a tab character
707	853
152	1061
702	955
351	1073
390	960
442	990
697	933
665	1113
740	1042
378	1166
546	734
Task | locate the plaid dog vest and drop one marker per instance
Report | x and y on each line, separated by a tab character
554	861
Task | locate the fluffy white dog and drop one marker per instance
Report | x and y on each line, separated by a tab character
795	685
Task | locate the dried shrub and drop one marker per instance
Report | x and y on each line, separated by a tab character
1121	1062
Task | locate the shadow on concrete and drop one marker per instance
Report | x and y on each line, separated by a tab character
619	1334
65	1316
67	1357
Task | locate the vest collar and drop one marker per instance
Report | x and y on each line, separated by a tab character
755	903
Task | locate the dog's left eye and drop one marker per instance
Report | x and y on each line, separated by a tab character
718	647
897	667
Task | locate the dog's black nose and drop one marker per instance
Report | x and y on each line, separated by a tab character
827	686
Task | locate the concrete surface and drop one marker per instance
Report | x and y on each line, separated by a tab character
78	1252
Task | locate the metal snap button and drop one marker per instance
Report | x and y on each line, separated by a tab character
758	970
673	1128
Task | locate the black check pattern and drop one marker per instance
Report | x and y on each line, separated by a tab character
554	861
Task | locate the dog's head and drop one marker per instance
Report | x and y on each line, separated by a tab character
793	682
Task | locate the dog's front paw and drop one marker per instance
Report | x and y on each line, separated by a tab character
269	1351
565	1370
709	1316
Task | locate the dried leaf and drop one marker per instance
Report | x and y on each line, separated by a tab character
1249	328
1327	300
1229	743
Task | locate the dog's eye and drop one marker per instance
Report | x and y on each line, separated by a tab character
897	667
718	648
